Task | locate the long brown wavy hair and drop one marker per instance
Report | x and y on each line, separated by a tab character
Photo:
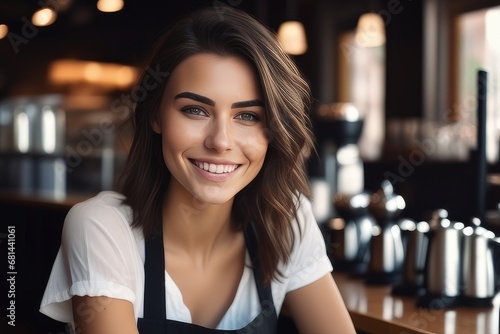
270	201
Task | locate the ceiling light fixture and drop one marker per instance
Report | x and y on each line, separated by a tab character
370	31
110	6
44	17
4	30
292	37
90	73
291	33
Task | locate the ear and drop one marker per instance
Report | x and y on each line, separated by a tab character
155	124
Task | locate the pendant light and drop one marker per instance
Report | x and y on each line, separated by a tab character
292	37
44	17
110	6
291	33
4	31
370	31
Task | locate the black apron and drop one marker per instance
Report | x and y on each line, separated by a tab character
155	322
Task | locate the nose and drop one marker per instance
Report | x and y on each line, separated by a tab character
219	136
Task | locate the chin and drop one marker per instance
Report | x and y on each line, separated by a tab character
214	196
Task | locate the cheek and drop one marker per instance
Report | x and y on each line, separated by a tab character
178	135
256	146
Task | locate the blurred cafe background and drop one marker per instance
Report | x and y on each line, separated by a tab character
406	179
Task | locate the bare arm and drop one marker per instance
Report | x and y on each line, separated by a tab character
318	308
103	315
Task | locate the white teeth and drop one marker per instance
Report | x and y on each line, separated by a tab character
216	169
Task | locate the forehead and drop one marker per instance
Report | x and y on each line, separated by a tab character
215	75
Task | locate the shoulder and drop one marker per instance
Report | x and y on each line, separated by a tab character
105	202
303	204
304	219
100	255
105	205
103	214
308	259
308	256
101	226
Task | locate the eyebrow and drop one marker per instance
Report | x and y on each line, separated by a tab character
206	100
249	103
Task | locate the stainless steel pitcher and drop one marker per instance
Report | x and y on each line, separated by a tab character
478	272
417	241
352	239
443	265
386	247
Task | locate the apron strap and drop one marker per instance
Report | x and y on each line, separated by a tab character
265	294
154	280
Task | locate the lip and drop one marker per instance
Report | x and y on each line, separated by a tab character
217	177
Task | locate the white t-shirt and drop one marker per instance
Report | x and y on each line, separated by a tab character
101	255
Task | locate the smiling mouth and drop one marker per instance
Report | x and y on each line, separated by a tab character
214	168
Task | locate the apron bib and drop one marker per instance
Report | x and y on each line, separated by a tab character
154	320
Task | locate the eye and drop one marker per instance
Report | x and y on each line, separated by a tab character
194	111
248	117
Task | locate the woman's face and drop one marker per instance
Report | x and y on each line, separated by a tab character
212	123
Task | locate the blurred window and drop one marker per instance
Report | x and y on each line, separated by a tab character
478	47
362	82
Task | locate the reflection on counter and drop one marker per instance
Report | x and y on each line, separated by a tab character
375	310
53	145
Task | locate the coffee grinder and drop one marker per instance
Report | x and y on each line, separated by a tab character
340	126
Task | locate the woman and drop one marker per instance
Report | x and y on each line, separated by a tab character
213	230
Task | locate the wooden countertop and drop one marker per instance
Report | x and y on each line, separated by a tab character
374	309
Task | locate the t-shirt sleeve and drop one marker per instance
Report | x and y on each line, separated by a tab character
308	260
97	257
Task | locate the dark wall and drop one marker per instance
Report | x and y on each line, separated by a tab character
404	59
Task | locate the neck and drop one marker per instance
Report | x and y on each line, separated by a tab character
192	227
